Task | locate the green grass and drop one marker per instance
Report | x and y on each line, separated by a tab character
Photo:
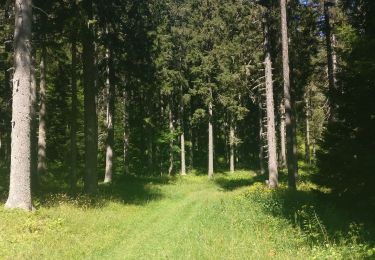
230	217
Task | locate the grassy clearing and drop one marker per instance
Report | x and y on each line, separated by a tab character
230	217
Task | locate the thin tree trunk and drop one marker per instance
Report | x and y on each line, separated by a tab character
182	135
42	116
73	118
19	188
331	56
271	132
90	116
210	138
171	130
110	119
125	133
289	120
282	136
231	145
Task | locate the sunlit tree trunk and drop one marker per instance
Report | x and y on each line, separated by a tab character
289	120
231	145
19	188
110	118
271	132
210	138
182	134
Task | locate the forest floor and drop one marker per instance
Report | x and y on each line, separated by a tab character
233	216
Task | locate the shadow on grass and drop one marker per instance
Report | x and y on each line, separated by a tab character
125	189
322	217
236	182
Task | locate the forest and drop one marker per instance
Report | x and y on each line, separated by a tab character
187	129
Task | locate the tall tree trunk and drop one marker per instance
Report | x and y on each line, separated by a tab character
261	139
331	55
90	116
42	116
125	133
282	136
210	138
307	125
182	134
19	188
73	118
271	132
171	131
289	120
110	119
231	144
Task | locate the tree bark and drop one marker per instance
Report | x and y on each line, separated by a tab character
171	131
19	188
110	119
42	116
261	140
271	133
90	116
182	134
331	56
289	120
210	137
231	145
73	118
282	136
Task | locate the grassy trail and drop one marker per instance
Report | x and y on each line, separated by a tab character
184	218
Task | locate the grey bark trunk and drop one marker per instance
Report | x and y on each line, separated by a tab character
331	55
19	188
110	119
90	116
182	135
73	118
231	145
289	120
210	138
42	116
271	133
282	136
171	130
